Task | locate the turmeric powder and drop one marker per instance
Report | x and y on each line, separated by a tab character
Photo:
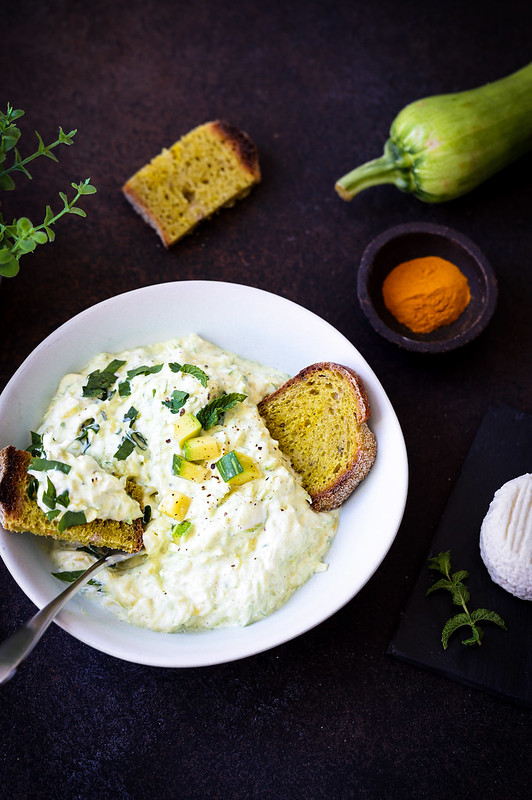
426	293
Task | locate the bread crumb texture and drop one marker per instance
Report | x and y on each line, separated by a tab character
209	168
506	537
319	418
19	513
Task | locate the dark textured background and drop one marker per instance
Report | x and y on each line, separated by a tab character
316	84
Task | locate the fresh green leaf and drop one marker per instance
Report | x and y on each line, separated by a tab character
126	448
483	615
100	382
131	415
150	370
36	446
177	400
190	369
131	440
33	486
212	413
73	575
43	464
70	519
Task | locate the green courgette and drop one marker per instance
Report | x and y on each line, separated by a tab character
444	146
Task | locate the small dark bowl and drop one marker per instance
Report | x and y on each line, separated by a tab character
406	242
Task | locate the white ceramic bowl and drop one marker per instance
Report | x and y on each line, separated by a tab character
254	324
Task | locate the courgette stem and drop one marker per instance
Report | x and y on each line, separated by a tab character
379	170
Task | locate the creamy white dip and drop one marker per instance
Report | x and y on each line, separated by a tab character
247	548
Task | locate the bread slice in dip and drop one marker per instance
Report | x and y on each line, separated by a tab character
319	418
20	513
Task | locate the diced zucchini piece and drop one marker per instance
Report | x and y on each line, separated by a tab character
175	505
188	470
186	427
201	448
181	529
237	468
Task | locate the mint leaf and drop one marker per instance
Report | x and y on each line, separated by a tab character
213	412
70	519
177	400
70	577
43	464
100	382
132	373
190	369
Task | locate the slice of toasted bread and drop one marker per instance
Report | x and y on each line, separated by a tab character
19	513
319	418
211	167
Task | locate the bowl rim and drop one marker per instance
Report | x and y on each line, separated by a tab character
417	342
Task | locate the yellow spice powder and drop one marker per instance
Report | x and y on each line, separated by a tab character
426	293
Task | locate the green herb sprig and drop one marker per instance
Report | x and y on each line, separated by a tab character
21	236
454	583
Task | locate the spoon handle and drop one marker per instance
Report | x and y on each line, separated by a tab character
15	649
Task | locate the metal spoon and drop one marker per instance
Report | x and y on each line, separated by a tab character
20	644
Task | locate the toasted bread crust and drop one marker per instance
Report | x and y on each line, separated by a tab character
319	418
18	513
241	143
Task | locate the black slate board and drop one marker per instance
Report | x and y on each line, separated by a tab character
502	665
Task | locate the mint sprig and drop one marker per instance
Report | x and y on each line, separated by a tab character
453	582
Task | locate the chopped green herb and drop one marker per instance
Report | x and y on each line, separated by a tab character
70	577
71	518
36	447
126	448
190	369
131	440
132	373
212	413
124	389
131	415
33	485
43	464
177	400
83	436
99	383
49	497
146	516
51	515
229	466
198	373
63	499
181	529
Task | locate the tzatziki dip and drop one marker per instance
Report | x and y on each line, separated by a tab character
229	532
